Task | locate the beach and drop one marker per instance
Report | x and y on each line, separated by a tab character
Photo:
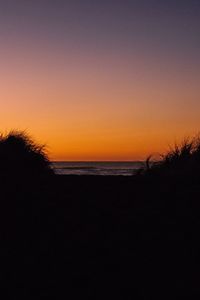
100	150
97	237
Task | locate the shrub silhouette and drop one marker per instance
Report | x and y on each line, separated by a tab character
20	156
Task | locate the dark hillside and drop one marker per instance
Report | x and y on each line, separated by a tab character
100	237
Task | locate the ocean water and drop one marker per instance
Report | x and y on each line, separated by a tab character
97	168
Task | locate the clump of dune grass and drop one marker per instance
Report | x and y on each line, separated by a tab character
21	156
181	160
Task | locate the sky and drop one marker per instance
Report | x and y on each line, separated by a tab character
100	80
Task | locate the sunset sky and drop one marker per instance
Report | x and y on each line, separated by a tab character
100	80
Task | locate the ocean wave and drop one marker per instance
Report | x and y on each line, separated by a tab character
97	168
77	168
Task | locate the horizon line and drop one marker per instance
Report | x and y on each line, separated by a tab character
80	161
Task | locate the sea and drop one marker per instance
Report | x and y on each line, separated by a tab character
97	168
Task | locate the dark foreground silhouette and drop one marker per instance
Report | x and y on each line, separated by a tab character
92	237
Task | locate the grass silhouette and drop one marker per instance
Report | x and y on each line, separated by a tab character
181	161
20	156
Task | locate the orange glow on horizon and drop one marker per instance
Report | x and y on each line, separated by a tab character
98	107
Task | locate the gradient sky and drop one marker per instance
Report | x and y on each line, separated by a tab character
100	80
